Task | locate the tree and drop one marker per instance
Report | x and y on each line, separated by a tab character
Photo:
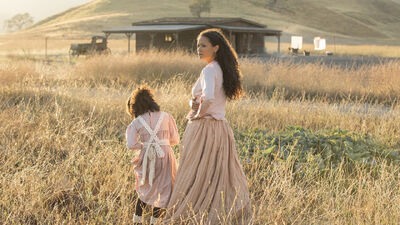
18	22
199	6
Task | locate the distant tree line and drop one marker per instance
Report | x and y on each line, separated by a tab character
18	22
199	6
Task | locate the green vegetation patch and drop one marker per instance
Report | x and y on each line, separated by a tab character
326	149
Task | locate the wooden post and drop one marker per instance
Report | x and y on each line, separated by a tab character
129	42
151	41
334	44
248	43
249	47
264	48
279	44
177	39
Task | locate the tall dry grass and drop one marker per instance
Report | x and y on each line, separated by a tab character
143	66
63	157
371	83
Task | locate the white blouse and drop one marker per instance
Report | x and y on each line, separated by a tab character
209	92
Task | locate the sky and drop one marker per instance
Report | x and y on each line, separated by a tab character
38	9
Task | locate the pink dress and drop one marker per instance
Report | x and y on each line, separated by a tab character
210	184
155	168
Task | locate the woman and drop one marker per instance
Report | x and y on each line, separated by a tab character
210	186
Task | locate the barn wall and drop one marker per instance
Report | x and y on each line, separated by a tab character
142	41
161	43
241	43
187	41
257	44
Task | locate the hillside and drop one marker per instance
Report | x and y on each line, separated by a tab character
362	20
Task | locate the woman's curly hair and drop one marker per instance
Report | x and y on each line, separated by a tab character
141	101
228	61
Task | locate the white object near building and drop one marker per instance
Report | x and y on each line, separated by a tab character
297	42
319	43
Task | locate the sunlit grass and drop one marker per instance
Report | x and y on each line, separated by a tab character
63	156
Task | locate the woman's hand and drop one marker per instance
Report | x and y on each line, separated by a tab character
194	109
194	104
191	115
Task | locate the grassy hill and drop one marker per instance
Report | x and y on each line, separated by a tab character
360	20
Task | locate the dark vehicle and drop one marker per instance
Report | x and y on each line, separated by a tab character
97	46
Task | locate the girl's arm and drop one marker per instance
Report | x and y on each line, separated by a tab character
131	138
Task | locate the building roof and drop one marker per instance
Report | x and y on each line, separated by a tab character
154	28
249	29
177	24
197	21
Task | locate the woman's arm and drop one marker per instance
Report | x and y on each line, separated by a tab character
195	101
208	87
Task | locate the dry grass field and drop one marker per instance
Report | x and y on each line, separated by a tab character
63	157
57	48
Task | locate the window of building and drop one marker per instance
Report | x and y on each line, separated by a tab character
168	38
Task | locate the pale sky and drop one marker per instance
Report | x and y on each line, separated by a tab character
38	9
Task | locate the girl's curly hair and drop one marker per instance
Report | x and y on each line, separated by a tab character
141	101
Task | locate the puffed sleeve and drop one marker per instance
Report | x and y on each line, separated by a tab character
173	132
131	137
208	87
196	90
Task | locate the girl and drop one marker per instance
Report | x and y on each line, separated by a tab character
155	167
210	184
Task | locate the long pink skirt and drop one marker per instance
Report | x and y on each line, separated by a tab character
210	186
